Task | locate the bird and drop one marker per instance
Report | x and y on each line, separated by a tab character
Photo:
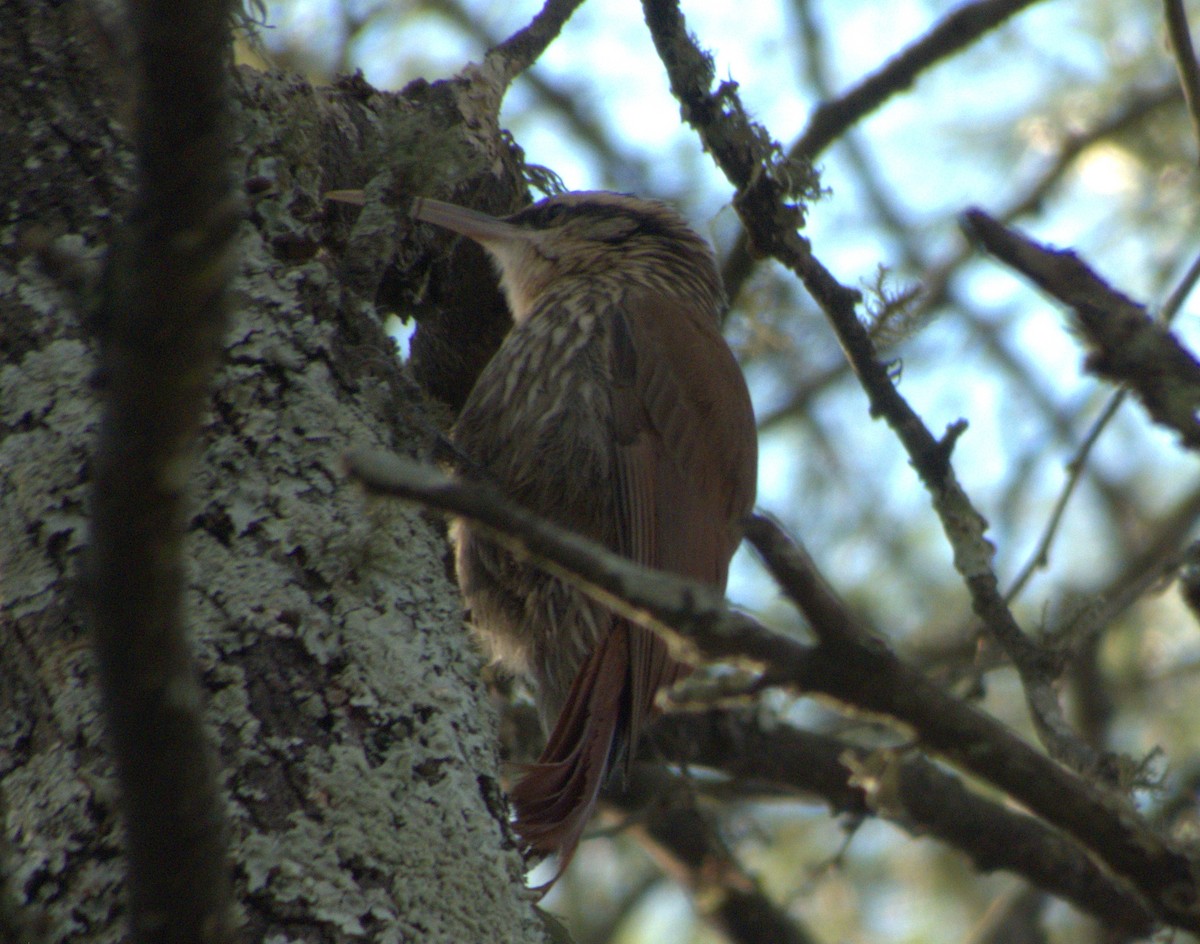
615	408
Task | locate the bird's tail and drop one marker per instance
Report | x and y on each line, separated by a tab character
556	795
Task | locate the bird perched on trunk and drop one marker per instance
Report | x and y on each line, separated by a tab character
615	408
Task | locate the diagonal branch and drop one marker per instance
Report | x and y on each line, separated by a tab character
911	792
833	118
1075	469
561	99
1128	346
648	597
1076	466
481	87
958	30
850	665
1185	59
747	156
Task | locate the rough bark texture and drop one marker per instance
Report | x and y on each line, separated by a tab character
358	748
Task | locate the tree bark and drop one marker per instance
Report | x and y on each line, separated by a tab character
358	748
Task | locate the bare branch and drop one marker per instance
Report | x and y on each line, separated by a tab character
1075	468
653	599
804	585
1128	346
852	666
160	328
1147	567
579	117
745	153
835	117
908	791
1153	564
1078	463
1180	293
1185	59
956	32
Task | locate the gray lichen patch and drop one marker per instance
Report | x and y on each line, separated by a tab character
342	689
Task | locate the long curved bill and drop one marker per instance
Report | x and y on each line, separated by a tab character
478	226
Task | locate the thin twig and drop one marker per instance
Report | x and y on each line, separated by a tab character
917	796
1078	463
1185	59
834	117
1180	293
936	291
958	30
1152	566
583	121
797	574
1075	468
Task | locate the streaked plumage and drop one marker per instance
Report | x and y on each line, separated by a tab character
615	408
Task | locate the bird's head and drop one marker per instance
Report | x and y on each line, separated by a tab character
586	236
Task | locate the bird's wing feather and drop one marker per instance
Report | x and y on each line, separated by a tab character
686	457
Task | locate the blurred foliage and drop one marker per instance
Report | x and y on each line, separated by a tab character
1070	113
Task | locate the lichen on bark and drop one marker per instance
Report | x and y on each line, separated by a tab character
357	744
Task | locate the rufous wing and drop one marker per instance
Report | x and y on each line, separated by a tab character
685	460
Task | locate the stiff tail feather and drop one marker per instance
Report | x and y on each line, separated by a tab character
609	700
556	795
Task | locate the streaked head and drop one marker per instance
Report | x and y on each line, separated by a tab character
586	235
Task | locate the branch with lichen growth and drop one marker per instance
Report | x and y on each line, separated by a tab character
958	30
507	60
834	117
751	162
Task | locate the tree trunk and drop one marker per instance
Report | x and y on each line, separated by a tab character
358	746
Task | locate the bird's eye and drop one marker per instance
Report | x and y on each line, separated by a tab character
553	213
